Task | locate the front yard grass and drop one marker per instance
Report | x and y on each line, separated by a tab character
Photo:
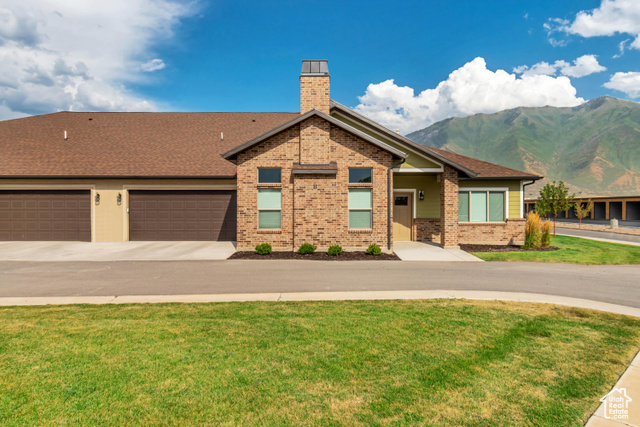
310	363
573	250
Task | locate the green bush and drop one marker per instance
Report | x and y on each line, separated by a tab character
335	250
307	248
374	249
264	249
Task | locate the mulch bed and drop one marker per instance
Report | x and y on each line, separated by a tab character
502	248
317	256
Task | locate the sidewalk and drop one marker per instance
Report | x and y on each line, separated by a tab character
630	382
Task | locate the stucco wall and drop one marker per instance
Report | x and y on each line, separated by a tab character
110	220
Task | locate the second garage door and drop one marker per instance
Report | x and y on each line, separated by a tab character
182	215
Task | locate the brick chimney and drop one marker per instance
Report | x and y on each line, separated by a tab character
314	93
314	86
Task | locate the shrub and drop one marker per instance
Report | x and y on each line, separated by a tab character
307	248
532	231
545	239
335	250
264	249
374	249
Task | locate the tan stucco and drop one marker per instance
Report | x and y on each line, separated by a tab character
110	220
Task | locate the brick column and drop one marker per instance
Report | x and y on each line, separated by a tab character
449	208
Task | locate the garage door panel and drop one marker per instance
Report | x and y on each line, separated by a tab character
45	215
182	215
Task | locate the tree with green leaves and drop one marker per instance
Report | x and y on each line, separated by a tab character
554	198
582	211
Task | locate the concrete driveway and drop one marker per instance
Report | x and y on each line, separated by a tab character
117	251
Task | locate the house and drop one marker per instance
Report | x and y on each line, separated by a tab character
325	175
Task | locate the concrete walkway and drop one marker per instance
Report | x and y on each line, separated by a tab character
116	251
629	385
327	296
425	251
603	236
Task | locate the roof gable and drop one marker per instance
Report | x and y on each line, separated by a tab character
233	153
473	168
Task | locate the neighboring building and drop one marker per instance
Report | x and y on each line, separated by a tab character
624	208
326	175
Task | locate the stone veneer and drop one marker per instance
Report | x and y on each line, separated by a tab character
314	207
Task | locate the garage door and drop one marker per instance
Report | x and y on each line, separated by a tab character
45	215
182	215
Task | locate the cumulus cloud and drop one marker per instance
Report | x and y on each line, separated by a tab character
153	65
468	90
612	17
81	54
582	66
628	83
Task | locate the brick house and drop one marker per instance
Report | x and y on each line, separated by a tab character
325	175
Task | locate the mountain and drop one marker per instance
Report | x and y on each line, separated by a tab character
594	147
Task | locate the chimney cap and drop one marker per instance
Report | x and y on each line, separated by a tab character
315	67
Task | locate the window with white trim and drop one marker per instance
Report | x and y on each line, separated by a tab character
269	208
481	206
360	208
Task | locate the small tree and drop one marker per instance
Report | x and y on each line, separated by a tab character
583	211
554	198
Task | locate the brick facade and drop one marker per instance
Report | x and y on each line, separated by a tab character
314	207
427	229
314	93
449	208
511	232
314	141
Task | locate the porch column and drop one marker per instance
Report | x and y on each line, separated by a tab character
449	208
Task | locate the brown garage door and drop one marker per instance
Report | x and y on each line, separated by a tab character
45	215
182	215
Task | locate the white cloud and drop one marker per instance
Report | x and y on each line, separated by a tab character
612	17
622	46
81	54
582	66
628	83
153	65
468	90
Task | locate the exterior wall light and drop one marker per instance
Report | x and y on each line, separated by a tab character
119	199
97	198
421	195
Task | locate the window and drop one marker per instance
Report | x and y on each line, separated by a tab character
360	208
359	175
269	176
401	200
481	206
269	208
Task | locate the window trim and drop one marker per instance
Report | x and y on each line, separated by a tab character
370	210
359	183
268	209
488	190
269	183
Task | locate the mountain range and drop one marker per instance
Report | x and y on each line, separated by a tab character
594	147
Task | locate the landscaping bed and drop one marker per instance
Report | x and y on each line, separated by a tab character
502	248
317	256
439	362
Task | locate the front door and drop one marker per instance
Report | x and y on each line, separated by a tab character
402	216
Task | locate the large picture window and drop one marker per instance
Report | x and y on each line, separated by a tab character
481	206
269	208
360	205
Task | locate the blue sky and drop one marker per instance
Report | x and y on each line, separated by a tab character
162	55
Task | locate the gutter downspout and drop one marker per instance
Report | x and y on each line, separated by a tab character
390	198
524	208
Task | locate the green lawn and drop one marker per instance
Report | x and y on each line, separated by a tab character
573	250
318	363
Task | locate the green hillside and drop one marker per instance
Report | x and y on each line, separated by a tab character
594	148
